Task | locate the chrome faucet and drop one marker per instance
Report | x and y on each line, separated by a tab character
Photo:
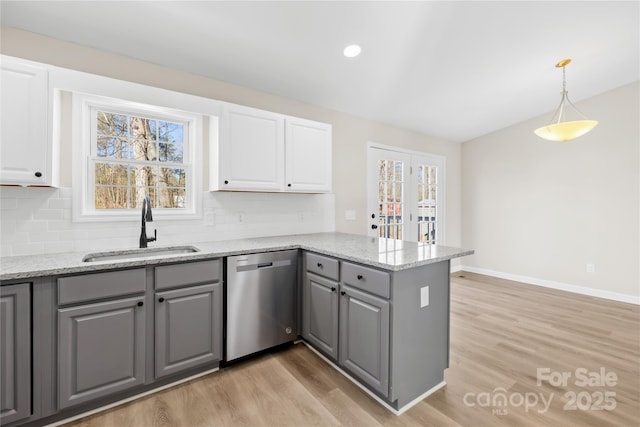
146	217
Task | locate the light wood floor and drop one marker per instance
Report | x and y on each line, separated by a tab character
501	333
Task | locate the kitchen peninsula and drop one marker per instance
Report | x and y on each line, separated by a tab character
376	309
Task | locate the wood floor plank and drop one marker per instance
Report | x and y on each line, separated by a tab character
502	332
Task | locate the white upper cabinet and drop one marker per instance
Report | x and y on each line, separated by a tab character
252	150
308	156
263	151
27	148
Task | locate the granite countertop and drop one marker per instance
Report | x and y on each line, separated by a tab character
387	254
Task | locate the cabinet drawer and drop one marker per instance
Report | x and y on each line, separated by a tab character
89	287
368	279
322	265
188	273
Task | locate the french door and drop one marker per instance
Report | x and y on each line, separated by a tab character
405	195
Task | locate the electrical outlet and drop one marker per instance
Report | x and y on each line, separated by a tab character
591	268
241	217
424	296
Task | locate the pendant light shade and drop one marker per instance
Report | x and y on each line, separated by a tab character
560	128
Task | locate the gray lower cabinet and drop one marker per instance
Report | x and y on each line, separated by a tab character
364	337
15	352
389	330
101	349
320	323
188	328
346	316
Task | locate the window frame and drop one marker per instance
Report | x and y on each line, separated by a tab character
85	153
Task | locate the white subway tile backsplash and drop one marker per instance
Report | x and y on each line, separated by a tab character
38	220
23	248
57	247
8	204
59	203
47	214
44	236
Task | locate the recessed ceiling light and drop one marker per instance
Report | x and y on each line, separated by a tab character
352	51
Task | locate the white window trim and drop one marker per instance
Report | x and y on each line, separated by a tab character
83	206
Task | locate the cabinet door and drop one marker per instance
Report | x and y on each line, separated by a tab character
252	156
26	150
308	156
15	353
100	349
321	314
364	337
188	328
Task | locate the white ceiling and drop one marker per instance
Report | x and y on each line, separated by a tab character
454	70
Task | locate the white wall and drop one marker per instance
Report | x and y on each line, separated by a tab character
539	211
350	137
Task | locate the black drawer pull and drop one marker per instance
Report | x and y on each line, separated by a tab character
38	174
319	265
360	277
343	293
160	299
333	289
140	303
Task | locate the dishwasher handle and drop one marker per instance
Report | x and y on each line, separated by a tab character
263	265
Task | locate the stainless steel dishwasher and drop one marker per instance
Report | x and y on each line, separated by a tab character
261	301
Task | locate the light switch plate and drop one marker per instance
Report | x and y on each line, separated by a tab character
424	296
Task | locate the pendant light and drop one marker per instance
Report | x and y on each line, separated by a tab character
559	128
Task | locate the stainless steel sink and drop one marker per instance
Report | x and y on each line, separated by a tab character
138	253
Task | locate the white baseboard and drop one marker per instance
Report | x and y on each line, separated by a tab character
456	268
599	293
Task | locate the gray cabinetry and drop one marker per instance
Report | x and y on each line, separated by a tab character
101	335
188	328
100	349
15	352
346	315
364	337
320	325
389	330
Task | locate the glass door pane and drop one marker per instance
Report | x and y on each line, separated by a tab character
389	183
427	202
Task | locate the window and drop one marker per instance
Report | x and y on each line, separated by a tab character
131	150
136	156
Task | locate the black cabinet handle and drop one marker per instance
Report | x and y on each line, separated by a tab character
288	185
360	277
140	303
226	182
160	299
319	265
343	293
373	226
38	174
333	289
